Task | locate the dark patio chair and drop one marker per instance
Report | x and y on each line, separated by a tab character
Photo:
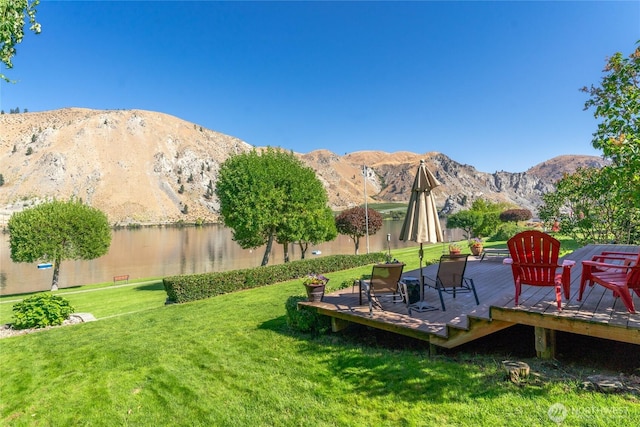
383	283
450	278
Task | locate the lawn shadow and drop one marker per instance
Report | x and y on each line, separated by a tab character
379	363
573	351
156	286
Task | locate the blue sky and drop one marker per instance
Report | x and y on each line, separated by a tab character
490	84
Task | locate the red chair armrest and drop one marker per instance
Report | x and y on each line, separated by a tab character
603	265
602	258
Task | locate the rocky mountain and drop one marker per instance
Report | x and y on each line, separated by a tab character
147	167
553	169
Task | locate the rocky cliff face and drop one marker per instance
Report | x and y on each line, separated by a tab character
145	167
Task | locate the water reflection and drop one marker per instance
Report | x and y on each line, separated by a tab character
159	252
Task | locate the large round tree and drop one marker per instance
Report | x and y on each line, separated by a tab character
57	231
271	195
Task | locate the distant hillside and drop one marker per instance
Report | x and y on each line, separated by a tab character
146	167
555	168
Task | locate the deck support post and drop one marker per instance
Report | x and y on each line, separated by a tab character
545	343
433	350
338	324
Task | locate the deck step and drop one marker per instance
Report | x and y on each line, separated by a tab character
476	328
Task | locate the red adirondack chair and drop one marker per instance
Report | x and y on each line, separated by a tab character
620	278
616	262
534	262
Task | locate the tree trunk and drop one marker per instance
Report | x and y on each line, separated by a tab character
356	241
267	251
285	247
303	249
56	274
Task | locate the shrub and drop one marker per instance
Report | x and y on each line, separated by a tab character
305	319
506	231
345	284
40	311
515	215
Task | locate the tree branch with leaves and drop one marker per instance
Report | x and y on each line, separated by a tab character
603	205
13	16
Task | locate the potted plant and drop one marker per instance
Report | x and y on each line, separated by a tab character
315	284
476	245
454	249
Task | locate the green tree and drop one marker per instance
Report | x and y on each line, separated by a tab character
466	220
589	210
13	15
268	196
57	231
353	223
481	220
317	227
602	205
490	216
617	105
309	219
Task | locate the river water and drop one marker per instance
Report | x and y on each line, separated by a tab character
166	251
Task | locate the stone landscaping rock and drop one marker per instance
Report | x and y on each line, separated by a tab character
613	384
8	331
82	317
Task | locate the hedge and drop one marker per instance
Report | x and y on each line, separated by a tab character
191	287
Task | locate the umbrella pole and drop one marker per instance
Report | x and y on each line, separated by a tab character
421	305
421	255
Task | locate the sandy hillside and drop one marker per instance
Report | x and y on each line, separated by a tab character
148	167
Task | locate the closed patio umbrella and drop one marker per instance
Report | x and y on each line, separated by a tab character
421	224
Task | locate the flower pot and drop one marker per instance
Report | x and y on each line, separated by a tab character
476	250
454	251
315	293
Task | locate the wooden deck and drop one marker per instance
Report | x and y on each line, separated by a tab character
599	314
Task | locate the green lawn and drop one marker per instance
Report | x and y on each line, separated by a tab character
232	361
